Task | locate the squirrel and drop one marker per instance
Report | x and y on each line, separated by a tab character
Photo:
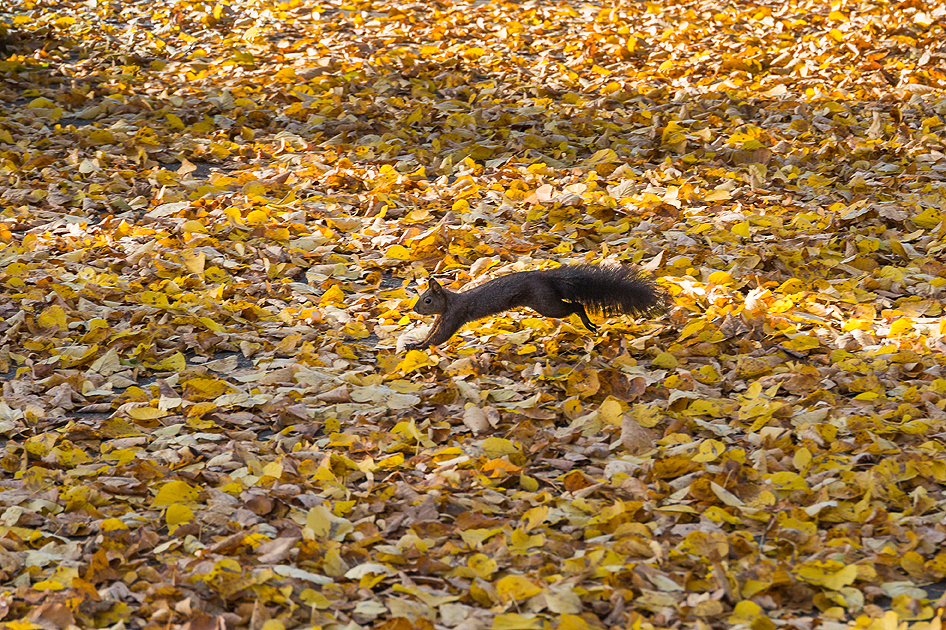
555	292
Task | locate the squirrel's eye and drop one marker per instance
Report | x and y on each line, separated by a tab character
427	301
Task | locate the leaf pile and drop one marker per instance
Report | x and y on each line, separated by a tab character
214	218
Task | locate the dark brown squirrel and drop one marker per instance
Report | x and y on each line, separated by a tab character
556	292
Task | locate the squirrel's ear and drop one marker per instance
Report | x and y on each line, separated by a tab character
433	285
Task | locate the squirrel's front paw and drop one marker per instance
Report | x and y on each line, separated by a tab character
412	346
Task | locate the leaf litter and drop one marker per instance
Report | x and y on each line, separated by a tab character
214	218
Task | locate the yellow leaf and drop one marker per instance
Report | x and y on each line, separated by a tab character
122	456
647	416
334	296
286	75
500	468
516	588
118	427
211	324
413	360
113	525
604	156
495	447
583	382
474	53
98	331
273	469
611	411
146	413
665	360
194	261
398	252
254	189
803	343
357	330
196	389
832	574
482	565
802	459
901	326
709	450
741	229
717	195
174	363
572	622
515	621
787	480
101	136
695	326
673	133
311	597
856	324
174	122
750	588
155	299
535	517
178	514
408	430
41	102
174	492
393	462
521	541
53	317
193	226
721	277
256	217
321	524
16	269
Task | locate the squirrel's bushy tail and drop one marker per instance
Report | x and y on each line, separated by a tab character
609	290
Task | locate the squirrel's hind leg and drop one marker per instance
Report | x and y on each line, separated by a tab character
579	310
561	309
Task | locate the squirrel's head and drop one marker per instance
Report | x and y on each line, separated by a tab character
433	301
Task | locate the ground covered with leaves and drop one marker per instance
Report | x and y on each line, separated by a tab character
214	218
